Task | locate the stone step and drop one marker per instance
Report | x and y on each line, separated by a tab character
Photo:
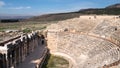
103	58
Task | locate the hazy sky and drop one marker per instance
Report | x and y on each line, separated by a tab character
37	7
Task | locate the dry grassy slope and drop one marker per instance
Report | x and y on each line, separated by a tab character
114	6
110	10
54	17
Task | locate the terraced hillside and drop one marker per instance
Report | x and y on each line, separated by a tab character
87	41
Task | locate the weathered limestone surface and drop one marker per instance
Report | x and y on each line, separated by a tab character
89	41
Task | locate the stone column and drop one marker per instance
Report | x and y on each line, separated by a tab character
35	41
9	54
28	48
25	47
5	52
9	59
1	61
14	54
18	51
37	38
15	58
23	51
4	61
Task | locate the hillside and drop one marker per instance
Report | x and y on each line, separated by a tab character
114	6
109	10
54	17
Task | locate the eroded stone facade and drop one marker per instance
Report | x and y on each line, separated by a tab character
15	51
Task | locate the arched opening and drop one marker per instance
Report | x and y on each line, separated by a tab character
42	39
42	42
42	36
115	28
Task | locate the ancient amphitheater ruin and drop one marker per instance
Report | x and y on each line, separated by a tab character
86	42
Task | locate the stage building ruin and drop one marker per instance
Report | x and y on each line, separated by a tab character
15	51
